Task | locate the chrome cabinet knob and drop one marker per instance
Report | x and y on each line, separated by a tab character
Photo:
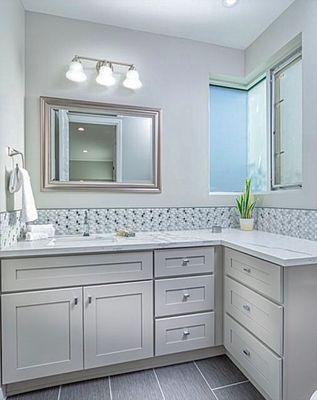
185	261
186	333
89	299
246	269
247	307
75	301
186	296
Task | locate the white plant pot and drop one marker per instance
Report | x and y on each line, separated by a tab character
246	224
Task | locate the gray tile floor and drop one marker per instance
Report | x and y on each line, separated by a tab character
215	378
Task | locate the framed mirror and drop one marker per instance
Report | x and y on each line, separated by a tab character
92	146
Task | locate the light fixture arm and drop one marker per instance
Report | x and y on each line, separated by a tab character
101	61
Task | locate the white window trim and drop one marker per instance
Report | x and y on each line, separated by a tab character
290	57
293	56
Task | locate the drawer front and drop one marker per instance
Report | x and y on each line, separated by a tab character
260	275
48	272
192	260
263	366
184	295
259	315
190	332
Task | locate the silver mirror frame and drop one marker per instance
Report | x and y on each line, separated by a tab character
47	103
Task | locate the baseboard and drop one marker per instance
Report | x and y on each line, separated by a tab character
78	376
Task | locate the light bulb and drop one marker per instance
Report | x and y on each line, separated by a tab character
132	80
76	72
229	3
105	76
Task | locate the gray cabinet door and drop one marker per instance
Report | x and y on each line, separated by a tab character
41	334
118	323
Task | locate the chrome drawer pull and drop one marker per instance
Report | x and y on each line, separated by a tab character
186	333
76	301
89	299
186	296
246	352
246	307
185	261
248	270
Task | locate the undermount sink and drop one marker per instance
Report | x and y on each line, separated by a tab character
72	239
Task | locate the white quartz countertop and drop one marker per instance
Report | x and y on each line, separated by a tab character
282	250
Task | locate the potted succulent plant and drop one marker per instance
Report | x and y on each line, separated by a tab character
245	207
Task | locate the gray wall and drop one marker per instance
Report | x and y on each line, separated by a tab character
12	84
301	16
175	74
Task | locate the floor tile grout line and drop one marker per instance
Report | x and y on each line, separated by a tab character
231	384
59	392
110	389
203	376
159	384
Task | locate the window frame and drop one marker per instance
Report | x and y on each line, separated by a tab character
273	71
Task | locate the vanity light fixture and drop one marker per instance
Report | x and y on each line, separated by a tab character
75	71
132	80
105	71
105	74
229	3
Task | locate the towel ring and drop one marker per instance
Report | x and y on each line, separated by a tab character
13	152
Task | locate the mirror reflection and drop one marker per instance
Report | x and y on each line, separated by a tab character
101	147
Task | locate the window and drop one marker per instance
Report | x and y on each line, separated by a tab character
247	141
286	112
238	140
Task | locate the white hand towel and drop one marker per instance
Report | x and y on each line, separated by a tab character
15	181
29	212
42	228
35	235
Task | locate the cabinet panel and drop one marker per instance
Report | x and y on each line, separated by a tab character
184	333
258	314
259	362
260	275
184	295
42	334
51	272
188	261
118	323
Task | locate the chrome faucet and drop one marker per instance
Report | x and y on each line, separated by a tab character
86	225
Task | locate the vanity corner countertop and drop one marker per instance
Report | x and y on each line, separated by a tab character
278	249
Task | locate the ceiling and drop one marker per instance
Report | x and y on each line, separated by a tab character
203	20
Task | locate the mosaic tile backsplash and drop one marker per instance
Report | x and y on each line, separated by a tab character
70	221
292	222
11	228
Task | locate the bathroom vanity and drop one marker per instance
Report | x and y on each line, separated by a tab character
88	309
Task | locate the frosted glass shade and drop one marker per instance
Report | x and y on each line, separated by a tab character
132	80
105	76
76	72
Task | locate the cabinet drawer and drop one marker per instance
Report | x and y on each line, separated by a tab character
190	332
263	366
48	272
184	295
192	260
259	275
256	313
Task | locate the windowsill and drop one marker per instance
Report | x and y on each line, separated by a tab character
269	192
